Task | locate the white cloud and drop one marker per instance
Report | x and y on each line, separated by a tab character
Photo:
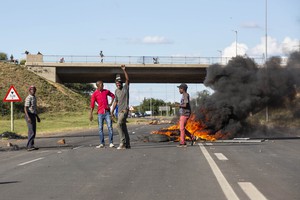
289	45
274	47
156	40
231	51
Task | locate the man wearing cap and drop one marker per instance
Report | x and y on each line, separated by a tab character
100	96
122	101
31	116
184	112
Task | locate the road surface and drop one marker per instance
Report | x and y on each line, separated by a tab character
221	170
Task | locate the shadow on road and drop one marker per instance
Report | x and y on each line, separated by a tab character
9	182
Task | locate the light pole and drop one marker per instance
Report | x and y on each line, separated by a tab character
266	52
266	31
220	55
151	102
236	38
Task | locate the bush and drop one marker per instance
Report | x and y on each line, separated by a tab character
3	56
22	62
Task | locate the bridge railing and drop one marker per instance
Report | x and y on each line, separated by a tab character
141	59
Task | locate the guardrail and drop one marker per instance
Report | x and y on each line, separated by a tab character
140	59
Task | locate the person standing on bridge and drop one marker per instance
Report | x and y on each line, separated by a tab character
184	112
100	96
122	101
101	56
31	117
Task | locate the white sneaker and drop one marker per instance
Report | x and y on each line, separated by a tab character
111	145
100	146
121	147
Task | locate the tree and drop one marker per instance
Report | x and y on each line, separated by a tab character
151	104
3	56
201	96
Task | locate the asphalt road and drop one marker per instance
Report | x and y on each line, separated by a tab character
222	170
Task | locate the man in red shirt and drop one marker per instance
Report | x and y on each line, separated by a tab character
100	96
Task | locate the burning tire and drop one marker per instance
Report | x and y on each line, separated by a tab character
158	138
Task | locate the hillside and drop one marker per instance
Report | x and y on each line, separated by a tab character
52	97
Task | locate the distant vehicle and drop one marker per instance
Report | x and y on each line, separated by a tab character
148	113
136	114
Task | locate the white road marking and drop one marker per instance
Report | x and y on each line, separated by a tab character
78	147
226	188
208	144
220	156
25	163
251	191
46	151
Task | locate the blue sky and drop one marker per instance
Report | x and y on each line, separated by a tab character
150	28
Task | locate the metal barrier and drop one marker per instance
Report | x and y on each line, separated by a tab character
141	59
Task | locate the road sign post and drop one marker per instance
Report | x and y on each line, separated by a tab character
12	96
12	116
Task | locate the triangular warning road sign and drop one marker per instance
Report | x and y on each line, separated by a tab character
12	95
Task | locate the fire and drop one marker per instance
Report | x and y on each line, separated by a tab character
194	126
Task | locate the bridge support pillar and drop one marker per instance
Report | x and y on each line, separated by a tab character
48	73
33	63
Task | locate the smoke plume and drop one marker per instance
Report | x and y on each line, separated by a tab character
242	88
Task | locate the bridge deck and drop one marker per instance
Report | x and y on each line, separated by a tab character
139	73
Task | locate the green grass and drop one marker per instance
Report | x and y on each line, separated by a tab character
52	123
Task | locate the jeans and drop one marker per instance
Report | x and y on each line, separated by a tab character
101	117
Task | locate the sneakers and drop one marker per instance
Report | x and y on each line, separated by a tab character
100	146
111	145
32	148
121	146
193	141
182	145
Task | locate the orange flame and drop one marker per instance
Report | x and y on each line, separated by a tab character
195	127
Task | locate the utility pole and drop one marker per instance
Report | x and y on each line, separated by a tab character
236	38
266	54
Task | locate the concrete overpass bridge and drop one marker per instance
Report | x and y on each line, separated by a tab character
142	69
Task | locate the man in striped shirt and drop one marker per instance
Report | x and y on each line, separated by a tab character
31	117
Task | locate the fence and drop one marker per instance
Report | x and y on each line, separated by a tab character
141	59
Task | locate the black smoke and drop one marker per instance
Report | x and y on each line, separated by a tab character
243	88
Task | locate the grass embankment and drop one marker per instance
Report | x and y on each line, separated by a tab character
51	97
59	108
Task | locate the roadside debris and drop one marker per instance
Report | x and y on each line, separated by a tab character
62	141
11	135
